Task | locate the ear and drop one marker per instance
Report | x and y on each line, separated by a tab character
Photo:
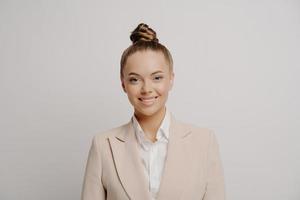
123	86
171	80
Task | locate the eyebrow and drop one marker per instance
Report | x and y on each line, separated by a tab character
133	73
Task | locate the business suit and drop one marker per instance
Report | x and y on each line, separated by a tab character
193	168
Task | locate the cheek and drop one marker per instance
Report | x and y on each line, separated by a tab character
163	89
132	91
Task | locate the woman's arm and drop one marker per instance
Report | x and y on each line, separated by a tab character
215	189
92	188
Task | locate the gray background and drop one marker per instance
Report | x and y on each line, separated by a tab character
236	71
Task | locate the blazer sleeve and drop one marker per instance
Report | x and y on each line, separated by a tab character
215	188
92	188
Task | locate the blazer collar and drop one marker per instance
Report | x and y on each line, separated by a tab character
179	129
130	169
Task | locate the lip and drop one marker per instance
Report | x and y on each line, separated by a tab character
148	101
147	98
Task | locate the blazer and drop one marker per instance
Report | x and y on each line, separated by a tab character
192	169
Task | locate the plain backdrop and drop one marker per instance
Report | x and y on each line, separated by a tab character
236	71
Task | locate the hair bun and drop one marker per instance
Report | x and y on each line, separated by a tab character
144	33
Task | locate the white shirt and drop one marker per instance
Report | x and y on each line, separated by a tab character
153	154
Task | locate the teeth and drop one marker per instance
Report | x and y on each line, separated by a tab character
148	101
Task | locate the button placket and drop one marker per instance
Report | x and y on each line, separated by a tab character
151	166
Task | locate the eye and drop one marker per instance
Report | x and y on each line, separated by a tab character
157	78
133	80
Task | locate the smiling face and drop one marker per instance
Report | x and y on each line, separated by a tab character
147	80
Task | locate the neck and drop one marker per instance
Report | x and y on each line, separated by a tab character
151	124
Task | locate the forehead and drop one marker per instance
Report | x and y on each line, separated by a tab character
146	62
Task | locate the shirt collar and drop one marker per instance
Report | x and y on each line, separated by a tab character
163	131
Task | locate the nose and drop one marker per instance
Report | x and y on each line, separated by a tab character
146	88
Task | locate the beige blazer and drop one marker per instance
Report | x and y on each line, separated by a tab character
193	169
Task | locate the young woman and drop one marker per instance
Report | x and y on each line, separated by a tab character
153	156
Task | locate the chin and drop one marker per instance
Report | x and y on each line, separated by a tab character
148	112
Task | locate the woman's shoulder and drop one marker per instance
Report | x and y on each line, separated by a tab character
202	131
201	135
194	126
114	131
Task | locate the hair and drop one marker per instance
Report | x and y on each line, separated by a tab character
144	38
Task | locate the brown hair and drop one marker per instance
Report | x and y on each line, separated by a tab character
144	38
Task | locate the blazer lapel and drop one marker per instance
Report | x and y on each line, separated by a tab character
176	164
128	163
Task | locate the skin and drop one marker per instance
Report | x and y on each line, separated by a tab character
147	74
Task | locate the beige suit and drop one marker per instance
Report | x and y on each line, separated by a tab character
193	169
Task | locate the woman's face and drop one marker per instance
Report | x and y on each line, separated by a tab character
147	80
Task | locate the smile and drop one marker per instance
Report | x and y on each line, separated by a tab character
148	101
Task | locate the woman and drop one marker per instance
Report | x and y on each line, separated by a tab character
153	156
